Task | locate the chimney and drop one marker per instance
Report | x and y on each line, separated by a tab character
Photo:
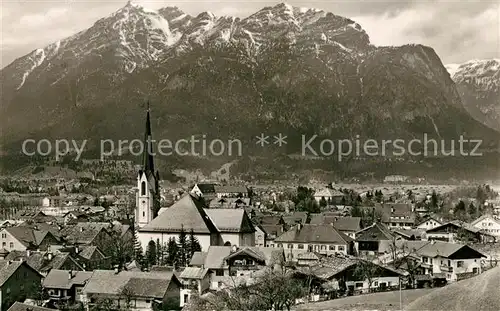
49	256
299	226
70	274
28	253
117	270
81	229
77	249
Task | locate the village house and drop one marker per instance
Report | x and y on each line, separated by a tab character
226	202
295	218
45	261
205	190
450	261
429	223
89	257
75	216
456	231
272	225
139	291
397	215
227	265
65	286
26	238
331	196
488	224
347	225
18	306
260	236
18	281
194	280
373	240
210	226
88	233
323	239
343	271
231	191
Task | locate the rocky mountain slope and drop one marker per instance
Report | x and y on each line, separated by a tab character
478	83
288	69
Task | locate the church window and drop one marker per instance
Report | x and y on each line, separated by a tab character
143	188
143	214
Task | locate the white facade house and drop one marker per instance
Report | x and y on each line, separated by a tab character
454	261
488	224
429	223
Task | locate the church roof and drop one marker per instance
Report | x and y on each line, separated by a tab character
187	213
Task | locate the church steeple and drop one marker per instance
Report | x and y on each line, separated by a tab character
147	156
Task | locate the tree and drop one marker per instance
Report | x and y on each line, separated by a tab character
138	251
194	245
366	270
182	248
323	203
121	248
434	201
171	251
151	253
472	210
274	290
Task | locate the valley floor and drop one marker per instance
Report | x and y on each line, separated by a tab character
385	301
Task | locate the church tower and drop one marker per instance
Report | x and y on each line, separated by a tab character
148	194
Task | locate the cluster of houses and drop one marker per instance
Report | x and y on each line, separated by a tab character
74	261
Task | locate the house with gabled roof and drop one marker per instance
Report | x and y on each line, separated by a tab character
87	233
456	230
323	239
18	281
136	290
343	271
231	191
489	225
450	261
428	223
65	286
346	225
211	227
18	306
330	195
234	226
225	263
45	261
24	237
205	190
374	240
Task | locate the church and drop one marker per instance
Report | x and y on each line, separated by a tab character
212	227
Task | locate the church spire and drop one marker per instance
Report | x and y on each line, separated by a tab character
147	156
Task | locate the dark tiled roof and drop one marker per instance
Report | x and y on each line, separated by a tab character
341	223
314	233
8	267
18	306
27	236
40	260
187	213
137	284
375	232
206	188
60	278
84	232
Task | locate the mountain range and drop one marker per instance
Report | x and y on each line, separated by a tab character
478	83
282	69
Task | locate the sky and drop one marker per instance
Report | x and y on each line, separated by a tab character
459	30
